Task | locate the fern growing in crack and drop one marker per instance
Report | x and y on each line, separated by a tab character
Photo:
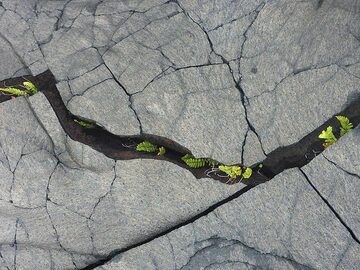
84	123
146	146
28	89
162	151
14	91
328	135
195	163
247	173
346	126
231	171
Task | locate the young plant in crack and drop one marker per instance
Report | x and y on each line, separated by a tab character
328	135
27	89
146	146
149	147
231	172
195	163
84	124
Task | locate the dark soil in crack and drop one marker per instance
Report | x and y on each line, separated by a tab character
123	148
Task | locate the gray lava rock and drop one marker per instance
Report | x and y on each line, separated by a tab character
282	224
231	80
336	175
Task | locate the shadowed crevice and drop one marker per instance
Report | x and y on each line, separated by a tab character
120	147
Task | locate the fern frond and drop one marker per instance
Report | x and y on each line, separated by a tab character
346	126
146	146
211	162
30	87
14	91
193	162
247	173
84	124
231	171
162	151
328	136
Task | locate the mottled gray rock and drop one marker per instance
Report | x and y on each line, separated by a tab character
336	175
171	40
199	108
300	104
79	209
282	224
170	68
27	162
16	31
293	63
107	104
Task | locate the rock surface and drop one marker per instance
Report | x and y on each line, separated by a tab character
231	80
336	175
83	207
264	228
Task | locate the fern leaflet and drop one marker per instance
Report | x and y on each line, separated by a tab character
328	136
30	87
84	123
346	126
14	91
195	163
162	151
146	146
231	171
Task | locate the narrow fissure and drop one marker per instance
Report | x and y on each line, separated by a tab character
331	207
123	148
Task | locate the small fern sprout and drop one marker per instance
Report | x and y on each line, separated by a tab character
146	146
14	91
328	136
345	123
196	163
231	171
247	173
30	87
84	123
162	151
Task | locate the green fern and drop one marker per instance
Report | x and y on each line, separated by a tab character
231	171
146	146
162	151
328	136
84	124
195	163
346	126
247	173
14	91
30	87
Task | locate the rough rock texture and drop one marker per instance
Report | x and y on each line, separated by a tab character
231	80
336	175
78	203
265	228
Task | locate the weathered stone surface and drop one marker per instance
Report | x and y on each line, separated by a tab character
188	106
101	103
294	67
80	208
171	68
336	175
282	224
279	124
